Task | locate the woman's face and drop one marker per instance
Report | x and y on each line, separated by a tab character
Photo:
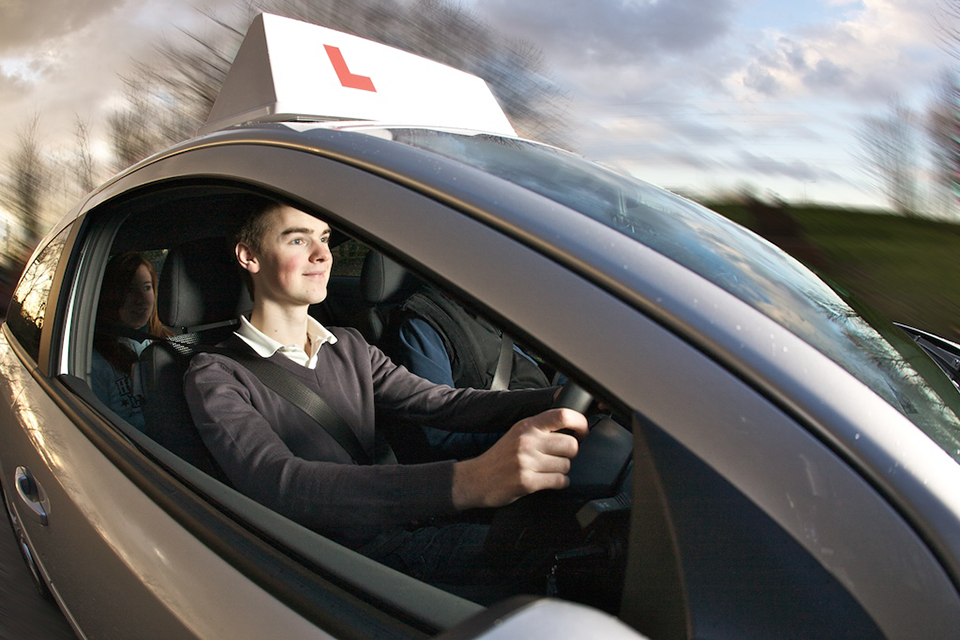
138	299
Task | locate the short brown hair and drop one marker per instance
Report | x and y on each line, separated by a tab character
251	229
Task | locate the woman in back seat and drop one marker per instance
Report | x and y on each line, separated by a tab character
126	317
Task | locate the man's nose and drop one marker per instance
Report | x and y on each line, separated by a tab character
321	252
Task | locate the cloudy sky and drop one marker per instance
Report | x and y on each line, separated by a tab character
701	95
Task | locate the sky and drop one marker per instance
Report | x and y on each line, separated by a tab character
702	96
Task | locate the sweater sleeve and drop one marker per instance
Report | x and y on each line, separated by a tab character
330	494
409	399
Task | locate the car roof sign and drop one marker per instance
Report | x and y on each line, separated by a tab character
292	70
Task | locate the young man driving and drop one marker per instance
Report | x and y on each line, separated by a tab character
401	515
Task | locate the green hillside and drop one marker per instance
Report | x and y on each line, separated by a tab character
905	268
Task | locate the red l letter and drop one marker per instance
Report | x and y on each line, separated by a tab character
347	79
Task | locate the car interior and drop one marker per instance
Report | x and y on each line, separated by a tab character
200	296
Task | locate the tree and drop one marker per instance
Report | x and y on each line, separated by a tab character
889	145
947	120
84	166
947	19
170	97
137	130
943	129
27	181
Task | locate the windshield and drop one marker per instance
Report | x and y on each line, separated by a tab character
733	258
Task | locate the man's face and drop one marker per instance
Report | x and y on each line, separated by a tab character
293	266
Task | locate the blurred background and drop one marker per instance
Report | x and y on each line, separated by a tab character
828	126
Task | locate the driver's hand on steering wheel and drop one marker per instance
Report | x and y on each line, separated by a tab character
531	456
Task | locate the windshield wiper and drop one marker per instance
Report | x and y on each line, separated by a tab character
945	353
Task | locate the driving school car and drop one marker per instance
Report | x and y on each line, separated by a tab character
764	462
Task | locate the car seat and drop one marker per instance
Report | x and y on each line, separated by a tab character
201	295
384	284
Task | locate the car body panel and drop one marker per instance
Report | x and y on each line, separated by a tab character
139	558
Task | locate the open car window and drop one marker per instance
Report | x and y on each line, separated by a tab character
196	289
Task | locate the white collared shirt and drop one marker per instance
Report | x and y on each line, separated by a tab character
266	346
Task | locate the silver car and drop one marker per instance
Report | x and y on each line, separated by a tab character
768	461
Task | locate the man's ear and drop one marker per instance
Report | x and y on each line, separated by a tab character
247	259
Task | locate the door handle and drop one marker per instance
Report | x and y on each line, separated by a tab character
32	494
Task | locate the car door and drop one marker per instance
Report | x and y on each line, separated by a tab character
126	548
22	336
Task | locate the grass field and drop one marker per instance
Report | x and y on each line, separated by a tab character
905	268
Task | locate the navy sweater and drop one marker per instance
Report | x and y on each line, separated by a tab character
274	453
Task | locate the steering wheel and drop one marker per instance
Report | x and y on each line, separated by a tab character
573	396
550	517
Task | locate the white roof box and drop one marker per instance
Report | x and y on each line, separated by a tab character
292	70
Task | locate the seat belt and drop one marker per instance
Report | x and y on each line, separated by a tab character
284	384
501	378
304	398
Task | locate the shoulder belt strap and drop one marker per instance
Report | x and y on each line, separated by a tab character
501	378
301	396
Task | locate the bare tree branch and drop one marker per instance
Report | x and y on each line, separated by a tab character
889	143
84	166
27	182
944	127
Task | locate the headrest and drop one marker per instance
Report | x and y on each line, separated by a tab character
382	280
200	284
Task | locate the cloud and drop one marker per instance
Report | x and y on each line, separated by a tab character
604	32
869	51
795	169
10	86
28	22
621	50
689	83
63	59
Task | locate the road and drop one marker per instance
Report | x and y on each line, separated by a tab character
24	615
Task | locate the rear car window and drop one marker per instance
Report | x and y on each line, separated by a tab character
29	304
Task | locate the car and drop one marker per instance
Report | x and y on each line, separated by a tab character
768	459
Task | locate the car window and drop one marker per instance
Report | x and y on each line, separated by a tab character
146	391
348	258
29	304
